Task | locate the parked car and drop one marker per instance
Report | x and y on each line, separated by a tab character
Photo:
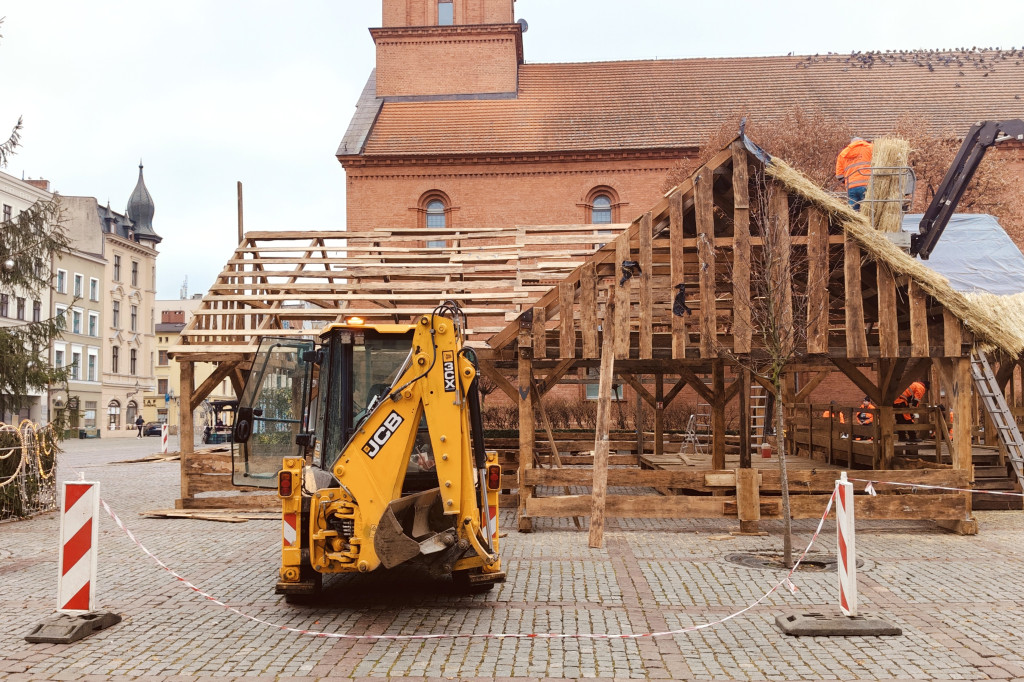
152	429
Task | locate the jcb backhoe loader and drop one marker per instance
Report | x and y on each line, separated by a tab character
373	438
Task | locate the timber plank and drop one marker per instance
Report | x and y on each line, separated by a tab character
856	334
677	270
741	328
704	210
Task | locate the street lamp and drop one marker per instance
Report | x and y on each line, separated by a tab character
138	387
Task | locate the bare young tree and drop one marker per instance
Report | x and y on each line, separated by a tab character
780	310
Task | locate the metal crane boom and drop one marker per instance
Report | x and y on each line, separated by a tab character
979	138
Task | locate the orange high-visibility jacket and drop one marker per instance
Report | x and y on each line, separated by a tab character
854	163
913	394
865	418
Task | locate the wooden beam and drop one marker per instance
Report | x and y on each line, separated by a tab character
817	281
186	435
857	377
554	375
499	379
526	424
674	391
888	322
221	372
718	414
540	336
588	310
745	444
856	334
659	414
620	293
704	209
676	270
779	265
952	339
741	328
646	295
640	389
805	391
918	320
696	383
599	489
566	323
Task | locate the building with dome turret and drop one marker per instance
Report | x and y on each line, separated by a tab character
127	342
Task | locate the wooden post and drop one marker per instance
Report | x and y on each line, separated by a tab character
599	490
659	414
185	429
779	268
526	423
856	334
718	414
646	295
676	270
963	428
817	282
638	406
918	321
888	323
588	309
745	444
704	208
748	499
741	328
620	295
540	335
566	324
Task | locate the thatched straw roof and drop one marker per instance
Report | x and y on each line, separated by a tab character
996	321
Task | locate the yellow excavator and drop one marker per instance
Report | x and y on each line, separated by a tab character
373	437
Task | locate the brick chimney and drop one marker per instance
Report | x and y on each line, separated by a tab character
40	184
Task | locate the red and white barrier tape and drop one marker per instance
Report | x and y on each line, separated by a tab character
467	635
872	482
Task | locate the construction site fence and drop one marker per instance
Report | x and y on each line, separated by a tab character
28	465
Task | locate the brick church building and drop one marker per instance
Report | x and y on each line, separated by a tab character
455	127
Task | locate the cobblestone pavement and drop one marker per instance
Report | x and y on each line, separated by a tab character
959	600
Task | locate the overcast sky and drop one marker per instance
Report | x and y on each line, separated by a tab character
210	92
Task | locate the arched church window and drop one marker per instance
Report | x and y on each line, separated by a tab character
601	210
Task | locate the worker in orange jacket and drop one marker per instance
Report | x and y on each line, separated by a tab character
911	397
853	168
866	418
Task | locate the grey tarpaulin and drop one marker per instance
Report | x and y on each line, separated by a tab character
975	254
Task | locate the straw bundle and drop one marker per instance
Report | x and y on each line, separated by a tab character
885	191
996	321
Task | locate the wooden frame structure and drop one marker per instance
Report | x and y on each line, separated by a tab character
724	241
545	307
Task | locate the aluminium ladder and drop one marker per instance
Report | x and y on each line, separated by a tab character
995	404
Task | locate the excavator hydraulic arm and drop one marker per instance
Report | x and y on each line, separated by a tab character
979	138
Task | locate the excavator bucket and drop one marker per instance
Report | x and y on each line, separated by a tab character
411	526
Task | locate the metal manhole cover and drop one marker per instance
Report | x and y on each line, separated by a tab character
773	561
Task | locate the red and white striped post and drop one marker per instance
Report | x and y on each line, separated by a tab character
79	532
847	549
163	438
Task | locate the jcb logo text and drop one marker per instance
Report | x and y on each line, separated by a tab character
381	436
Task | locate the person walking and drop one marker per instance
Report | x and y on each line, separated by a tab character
853	168
140	422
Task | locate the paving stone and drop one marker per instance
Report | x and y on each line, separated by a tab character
958	600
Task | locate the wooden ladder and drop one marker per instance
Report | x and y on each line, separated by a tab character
758	414
995	404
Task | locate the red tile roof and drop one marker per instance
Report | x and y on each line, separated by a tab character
634	105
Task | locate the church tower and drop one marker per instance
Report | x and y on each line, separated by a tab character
448	48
